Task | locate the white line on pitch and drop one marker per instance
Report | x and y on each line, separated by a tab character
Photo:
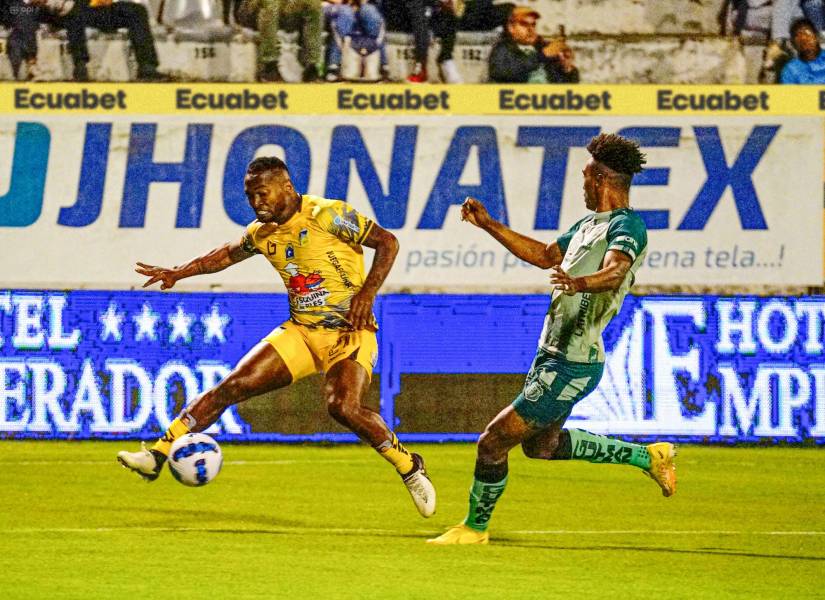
226	462
657	532
212	530
356	531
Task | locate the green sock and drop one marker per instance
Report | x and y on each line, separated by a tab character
600	449
483	498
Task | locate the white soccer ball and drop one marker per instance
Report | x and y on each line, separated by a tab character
195	459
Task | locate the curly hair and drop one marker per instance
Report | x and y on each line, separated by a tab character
618	153
802	24
266	163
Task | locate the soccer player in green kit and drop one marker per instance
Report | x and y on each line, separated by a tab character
593	266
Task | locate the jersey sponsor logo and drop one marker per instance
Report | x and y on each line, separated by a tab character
346	224
271	247
339	268
625	239
303	237
581	317
626	244
305	290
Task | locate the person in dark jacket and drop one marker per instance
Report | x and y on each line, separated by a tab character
25	16
522	56
421	17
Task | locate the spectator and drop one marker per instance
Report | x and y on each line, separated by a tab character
484	15
419	17
522	56
748	18
25	16
230	9
267	16
350	18
809	64
814	11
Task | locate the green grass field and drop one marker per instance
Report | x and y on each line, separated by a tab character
316	522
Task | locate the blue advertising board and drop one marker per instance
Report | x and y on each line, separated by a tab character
85	364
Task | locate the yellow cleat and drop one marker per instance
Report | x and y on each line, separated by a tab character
662	470
461	534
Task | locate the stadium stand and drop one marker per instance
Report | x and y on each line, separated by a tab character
634	41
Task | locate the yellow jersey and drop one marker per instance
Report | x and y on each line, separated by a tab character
318	254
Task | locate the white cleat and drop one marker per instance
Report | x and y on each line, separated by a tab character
420	487
143	462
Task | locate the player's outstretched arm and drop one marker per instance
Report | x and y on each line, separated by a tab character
610	277
211	262
526	248
386	248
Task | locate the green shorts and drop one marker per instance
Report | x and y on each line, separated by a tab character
553	386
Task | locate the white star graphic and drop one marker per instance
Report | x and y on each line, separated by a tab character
146	321
111	321
214	324
180	322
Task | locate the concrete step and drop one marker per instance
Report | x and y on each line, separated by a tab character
230	55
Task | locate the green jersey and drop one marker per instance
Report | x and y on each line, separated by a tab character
574	324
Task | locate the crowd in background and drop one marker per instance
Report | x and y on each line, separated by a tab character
334	34
331	32
792	29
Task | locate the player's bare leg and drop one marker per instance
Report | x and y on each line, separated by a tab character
345	386
507	430
555	443
260	371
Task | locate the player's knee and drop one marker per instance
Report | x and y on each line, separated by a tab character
341	405
530	450
544	449
340	410
489	449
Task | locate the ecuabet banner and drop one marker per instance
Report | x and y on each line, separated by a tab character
726	200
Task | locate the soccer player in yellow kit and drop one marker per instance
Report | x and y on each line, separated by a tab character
315	245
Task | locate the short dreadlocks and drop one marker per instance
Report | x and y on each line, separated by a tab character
266	163
618	153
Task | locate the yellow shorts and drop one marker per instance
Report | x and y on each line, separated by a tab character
306	351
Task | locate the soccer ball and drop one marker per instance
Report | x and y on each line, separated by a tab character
195	459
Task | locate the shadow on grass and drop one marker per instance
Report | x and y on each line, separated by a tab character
316	532
514	543
205	519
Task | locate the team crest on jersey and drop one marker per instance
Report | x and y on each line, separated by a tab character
303	237
538	382
290	251
305	289
533	391
271	247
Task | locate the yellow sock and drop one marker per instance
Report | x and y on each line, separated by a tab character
176	429
396	454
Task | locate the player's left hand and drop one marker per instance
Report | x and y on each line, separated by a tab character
560	280
360	309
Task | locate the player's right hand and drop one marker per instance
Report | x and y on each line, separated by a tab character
167	277
474	211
